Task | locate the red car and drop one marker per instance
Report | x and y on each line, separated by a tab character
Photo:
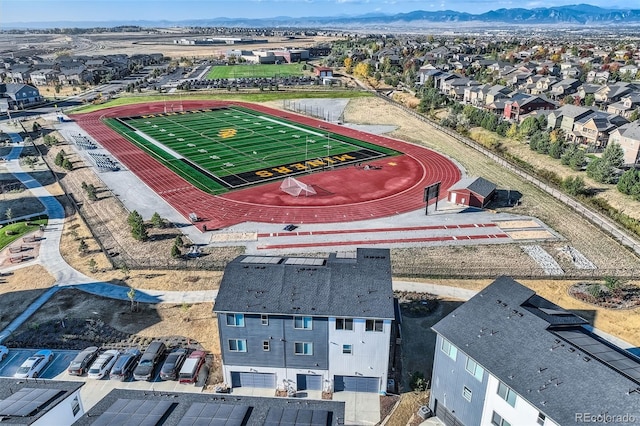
191	367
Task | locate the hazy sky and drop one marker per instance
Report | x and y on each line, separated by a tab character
105	10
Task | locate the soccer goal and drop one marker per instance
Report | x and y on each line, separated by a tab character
296	188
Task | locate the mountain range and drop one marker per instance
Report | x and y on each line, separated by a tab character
579	15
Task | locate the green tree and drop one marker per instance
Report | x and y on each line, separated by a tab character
629	183
589	99
83	246
178	241
556	149
175	251
59	159
614	155
8	213
574	185
603	169
513	131
131	294
565	158
138	229
67	165
529	126
93	265
578	159
157	221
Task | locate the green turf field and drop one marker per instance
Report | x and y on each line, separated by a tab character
222	149
255	70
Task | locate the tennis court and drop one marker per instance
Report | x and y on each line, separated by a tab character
255	71
220	149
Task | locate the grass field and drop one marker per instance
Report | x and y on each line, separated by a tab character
14	231
255	70
227	148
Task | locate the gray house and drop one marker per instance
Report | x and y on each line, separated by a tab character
511	357
307	323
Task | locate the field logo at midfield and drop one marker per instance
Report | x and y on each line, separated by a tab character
227	133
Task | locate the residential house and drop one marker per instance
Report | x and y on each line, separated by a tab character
588	89
72	76
475	95
565	87
521	106
307	323
19	95
613	92
40	402
564	117
630	70
510	357
628	137
19	73
44	77
497	92
428	73
626	105
600	77
455	87
544	85
594	129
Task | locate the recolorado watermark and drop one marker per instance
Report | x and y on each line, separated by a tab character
606	418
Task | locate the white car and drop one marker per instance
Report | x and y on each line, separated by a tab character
103	364
3	352
34	365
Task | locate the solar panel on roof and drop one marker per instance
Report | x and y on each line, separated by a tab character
207	413
27	401
304	261
622	362
134	412
261	260
296	417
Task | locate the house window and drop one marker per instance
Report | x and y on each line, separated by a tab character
449	349
466	393
264	319
347	349
507	394
344	323
237	345
475	370
235	320
541	418
373	325
303	348
265	346
303	323
497	420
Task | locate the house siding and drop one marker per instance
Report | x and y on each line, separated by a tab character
282	335
447	382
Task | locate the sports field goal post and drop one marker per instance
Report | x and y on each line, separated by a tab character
295	188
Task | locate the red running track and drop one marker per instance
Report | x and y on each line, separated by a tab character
345	194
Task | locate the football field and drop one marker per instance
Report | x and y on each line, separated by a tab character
221	149
255	71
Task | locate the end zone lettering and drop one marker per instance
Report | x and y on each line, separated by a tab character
309	164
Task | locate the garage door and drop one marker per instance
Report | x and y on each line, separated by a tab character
356	384
253	380
309	382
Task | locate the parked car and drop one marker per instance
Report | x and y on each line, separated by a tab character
3	352
172	364
34	365
123	368
191	367
82	361
149	360
103	364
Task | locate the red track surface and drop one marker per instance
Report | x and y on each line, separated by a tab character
345	194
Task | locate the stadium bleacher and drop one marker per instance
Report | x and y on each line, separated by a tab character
104	162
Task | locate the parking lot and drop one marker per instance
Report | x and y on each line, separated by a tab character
93	390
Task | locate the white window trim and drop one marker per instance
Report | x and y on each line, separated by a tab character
466	391
305	345
344	324
264	319
475	371
373	330
508	392
266	345
235	317
244	343
350	349
302	318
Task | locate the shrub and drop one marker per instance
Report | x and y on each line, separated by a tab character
418	382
